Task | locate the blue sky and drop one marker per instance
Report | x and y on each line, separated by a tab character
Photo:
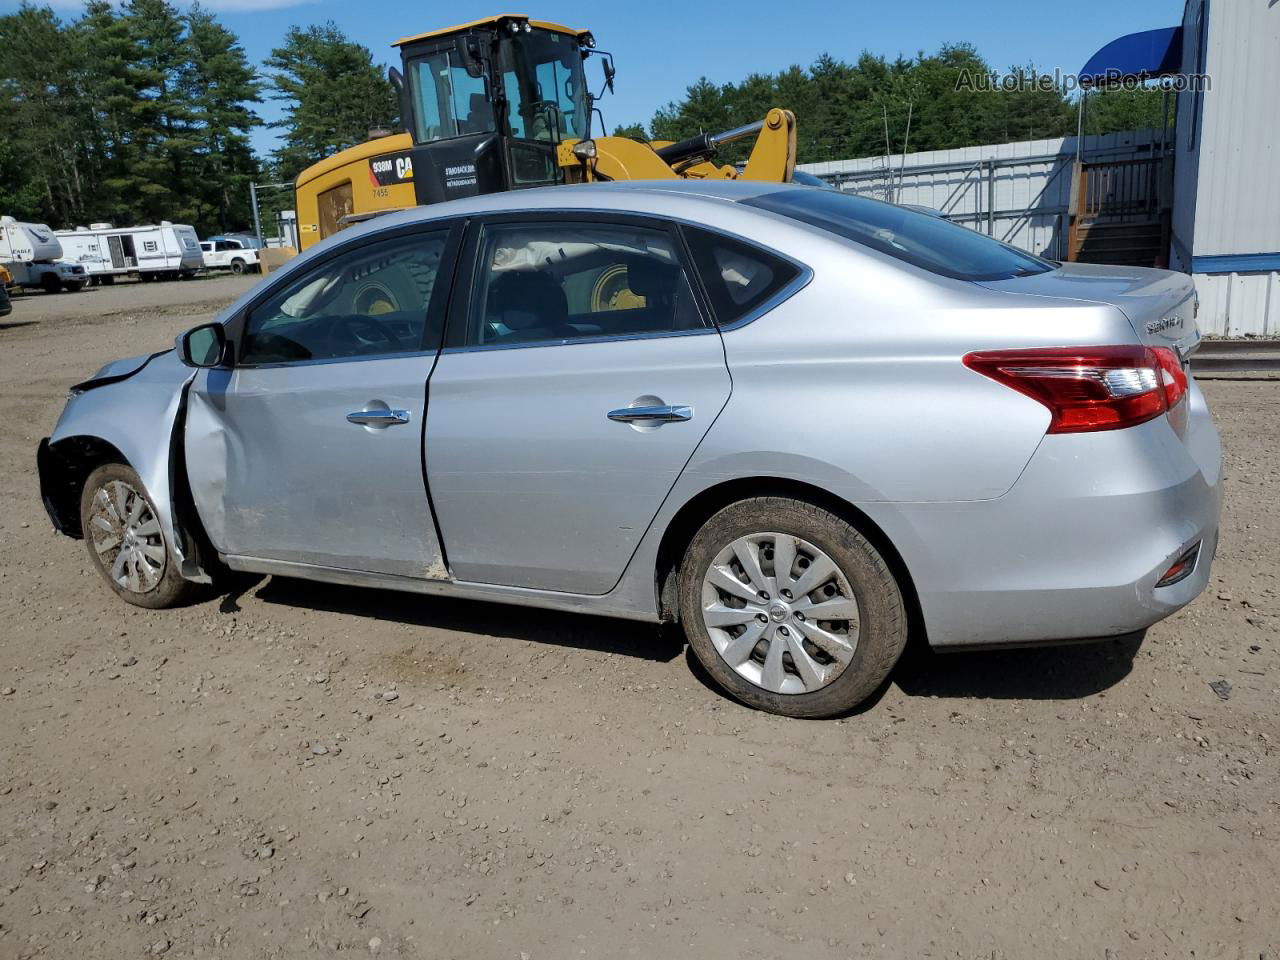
661	47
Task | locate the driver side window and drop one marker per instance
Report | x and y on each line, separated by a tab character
373	301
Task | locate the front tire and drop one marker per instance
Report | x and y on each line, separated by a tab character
812	640
50	283
125	541
74	286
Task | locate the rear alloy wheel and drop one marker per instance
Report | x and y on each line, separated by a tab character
126	542
789	608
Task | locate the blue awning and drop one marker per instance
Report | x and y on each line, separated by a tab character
1137	56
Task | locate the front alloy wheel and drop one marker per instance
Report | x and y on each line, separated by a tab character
126	536
125	540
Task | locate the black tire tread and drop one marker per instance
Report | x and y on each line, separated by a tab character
884	631
172	590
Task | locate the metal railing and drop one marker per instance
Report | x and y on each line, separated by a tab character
1120	190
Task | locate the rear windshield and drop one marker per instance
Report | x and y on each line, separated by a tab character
919	239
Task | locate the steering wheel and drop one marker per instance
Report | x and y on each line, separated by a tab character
549	112
348	326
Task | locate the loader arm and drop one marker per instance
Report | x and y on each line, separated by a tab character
773	157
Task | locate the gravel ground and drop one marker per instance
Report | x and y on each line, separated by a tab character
293	769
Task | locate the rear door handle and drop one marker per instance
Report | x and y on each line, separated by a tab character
667	413
378	418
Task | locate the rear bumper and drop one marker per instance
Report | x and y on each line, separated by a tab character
1075	549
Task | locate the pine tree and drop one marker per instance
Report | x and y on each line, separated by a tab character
219	86
38	106
163	140
334	94
108	87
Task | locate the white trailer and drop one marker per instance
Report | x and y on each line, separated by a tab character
104	252
163	251
32	253
166	251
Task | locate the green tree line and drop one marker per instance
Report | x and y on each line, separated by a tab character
136	113
876	106
143	112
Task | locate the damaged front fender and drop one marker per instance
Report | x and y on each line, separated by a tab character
131	412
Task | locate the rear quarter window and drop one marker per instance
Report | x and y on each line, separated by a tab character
738	277
930	243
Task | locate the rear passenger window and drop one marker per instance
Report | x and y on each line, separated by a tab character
578	281
739	277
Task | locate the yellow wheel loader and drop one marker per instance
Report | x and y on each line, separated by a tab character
503	104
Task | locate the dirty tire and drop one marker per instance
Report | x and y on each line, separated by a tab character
882	615
169	589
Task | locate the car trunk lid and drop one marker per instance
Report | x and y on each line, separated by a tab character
1160	305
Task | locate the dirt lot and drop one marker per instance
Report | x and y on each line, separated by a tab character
297	769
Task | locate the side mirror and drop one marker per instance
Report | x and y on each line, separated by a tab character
203	346
609	72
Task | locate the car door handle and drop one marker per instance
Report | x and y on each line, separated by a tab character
667	413
378	418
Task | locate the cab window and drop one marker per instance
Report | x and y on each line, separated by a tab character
447	101
374	301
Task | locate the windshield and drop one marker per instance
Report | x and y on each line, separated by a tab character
542	74
921	240
447	101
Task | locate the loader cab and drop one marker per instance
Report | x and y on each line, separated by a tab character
488	102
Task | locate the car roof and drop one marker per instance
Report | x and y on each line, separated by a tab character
658	196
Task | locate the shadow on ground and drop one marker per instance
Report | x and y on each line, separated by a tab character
644	641
1036	673
1044	673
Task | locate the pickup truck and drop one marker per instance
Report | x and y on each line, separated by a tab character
228	255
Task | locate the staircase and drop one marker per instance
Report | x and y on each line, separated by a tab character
1120	211
1142	243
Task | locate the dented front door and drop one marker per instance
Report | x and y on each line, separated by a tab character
280	470
309	449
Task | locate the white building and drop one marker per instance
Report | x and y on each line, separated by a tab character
1226	209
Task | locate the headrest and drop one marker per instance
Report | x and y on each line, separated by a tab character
523	299
650	277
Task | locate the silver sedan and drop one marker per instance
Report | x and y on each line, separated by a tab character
804	425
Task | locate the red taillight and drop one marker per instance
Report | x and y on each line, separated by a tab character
1090	388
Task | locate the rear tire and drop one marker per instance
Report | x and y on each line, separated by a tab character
237	266
126	543
863	625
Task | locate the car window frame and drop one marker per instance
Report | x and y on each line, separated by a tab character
469	270
439	308
804	274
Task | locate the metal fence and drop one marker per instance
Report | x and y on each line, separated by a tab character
1016	192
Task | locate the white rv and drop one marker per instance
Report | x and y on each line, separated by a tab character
152	252
166	251
105	253
32	252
